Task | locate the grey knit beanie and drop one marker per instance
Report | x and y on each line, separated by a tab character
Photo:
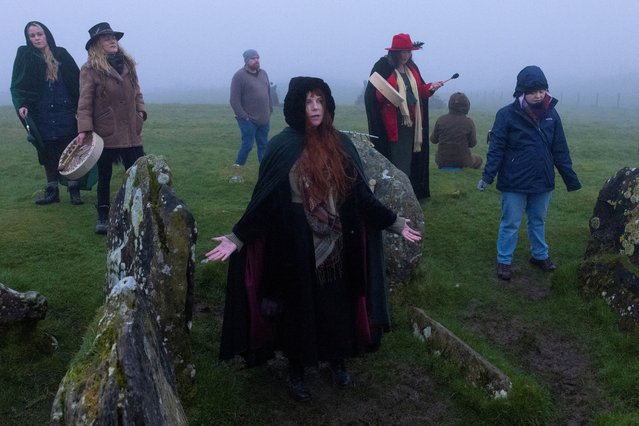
248	54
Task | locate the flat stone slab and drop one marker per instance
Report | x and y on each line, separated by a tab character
475	368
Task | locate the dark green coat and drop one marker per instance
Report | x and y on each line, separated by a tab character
29	74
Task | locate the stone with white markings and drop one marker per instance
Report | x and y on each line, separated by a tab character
393	188
138	363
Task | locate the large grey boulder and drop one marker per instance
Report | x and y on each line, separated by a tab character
137	361
611	265
26	308
393	188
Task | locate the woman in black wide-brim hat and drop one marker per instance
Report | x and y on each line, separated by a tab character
111	104
306	273
44	90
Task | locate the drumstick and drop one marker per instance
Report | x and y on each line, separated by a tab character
454	76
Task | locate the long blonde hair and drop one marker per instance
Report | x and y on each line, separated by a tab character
98	61
50	61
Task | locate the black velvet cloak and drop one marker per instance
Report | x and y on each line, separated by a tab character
420	162
277	261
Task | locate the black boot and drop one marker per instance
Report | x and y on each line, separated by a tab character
341	378
74	192
103	219
296	385
51	195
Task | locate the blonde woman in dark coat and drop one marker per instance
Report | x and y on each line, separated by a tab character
111	104
44	90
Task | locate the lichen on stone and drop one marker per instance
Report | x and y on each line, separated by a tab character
126	284
128	187
137	211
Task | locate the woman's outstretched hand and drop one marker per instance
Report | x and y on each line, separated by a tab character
223	250
410	234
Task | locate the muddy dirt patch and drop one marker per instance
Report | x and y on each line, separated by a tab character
530	284
410	398
556	360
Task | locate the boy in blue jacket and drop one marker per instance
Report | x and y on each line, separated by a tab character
527	142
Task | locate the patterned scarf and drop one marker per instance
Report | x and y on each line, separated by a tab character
403	107
324	220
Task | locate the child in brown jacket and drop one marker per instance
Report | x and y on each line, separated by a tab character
455	135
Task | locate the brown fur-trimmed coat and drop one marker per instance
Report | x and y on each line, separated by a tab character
109	105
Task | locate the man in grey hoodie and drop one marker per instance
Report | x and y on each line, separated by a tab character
252	105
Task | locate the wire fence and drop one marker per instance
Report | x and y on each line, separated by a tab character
624	100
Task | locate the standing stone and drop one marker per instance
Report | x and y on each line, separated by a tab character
611	263
125	376
151	238
393	188
139	358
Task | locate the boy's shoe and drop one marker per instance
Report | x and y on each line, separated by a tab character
545	265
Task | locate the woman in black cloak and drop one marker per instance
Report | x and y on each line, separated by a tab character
306	273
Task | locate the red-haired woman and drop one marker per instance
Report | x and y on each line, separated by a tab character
306	269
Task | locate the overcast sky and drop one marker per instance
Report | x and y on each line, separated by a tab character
193	44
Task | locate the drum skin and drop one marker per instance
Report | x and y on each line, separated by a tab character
76	161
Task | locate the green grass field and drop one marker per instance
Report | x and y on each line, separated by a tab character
565	355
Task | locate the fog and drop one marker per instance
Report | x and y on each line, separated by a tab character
187	51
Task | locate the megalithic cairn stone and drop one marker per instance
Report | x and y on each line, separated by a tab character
138	361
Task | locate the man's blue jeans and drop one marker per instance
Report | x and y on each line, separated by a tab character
252	132
513	205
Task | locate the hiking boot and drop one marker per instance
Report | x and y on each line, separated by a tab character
503	271
296	386
51	195
341	378
298	390
545	265
74	193
103	219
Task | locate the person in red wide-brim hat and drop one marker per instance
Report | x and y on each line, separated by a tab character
401	130
403	42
